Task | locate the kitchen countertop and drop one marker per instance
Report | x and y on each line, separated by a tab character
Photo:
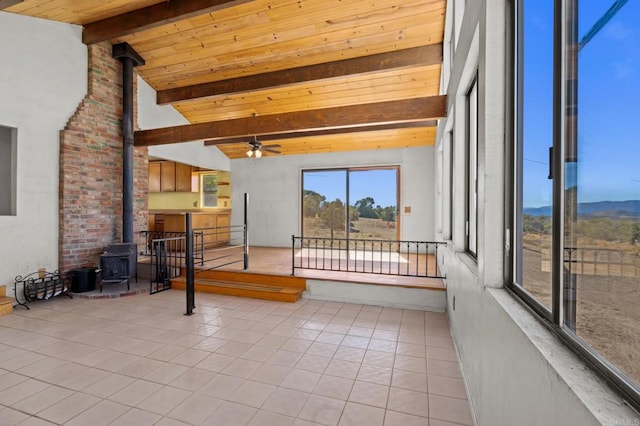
183	211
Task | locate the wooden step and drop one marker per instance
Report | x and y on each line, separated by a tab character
252	277
254	291
6	305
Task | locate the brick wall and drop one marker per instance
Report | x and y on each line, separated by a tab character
91	168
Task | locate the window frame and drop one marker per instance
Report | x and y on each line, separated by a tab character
347	170
9	189
554	319
471	188
448	192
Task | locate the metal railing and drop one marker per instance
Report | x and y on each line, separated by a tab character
221	246
213	247
150	236
386	257
602	262
167	261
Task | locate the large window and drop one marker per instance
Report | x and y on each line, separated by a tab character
471	220
7	171
577	205
354	203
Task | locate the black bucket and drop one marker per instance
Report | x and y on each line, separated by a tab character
83	279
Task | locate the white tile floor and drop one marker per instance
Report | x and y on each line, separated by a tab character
139	361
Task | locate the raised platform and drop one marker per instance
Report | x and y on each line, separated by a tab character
269	277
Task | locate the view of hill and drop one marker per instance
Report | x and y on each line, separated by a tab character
629	208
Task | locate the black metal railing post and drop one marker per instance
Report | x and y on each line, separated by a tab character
190	286
246	232
293	255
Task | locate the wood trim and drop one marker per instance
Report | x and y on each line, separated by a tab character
324	132
417	56
418	109
151	17
5	4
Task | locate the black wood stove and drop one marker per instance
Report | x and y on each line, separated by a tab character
118	264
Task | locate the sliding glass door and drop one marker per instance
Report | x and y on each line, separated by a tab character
353	203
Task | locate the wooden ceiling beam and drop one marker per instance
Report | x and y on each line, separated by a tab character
418	109
5	4
417	56
149	17
323	132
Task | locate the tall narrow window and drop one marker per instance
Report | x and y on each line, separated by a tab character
447	193
7	171
209	193
535	132
471	223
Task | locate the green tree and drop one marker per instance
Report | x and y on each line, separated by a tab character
354	214
365	207
312	203
332	215
388	214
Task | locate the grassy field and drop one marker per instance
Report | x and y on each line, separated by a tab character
607	295
363	228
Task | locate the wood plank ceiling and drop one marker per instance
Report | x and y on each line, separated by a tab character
278	69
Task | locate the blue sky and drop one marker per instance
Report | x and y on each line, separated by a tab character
609	115
608	96
378	184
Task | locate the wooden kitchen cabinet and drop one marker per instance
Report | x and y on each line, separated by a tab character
169	176
206	222
154	177
183	177
223	234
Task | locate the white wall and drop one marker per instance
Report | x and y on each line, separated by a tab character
273	184
152	116
43	78
516	371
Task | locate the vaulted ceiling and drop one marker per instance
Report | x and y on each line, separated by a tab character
311	75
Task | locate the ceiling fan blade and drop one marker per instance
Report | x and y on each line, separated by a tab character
273	151
273	145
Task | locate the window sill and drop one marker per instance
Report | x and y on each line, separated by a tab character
599	399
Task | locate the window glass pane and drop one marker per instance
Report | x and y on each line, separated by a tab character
601	273
324	194
7	172
447	193
472	172
209	190
373	204
534	199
